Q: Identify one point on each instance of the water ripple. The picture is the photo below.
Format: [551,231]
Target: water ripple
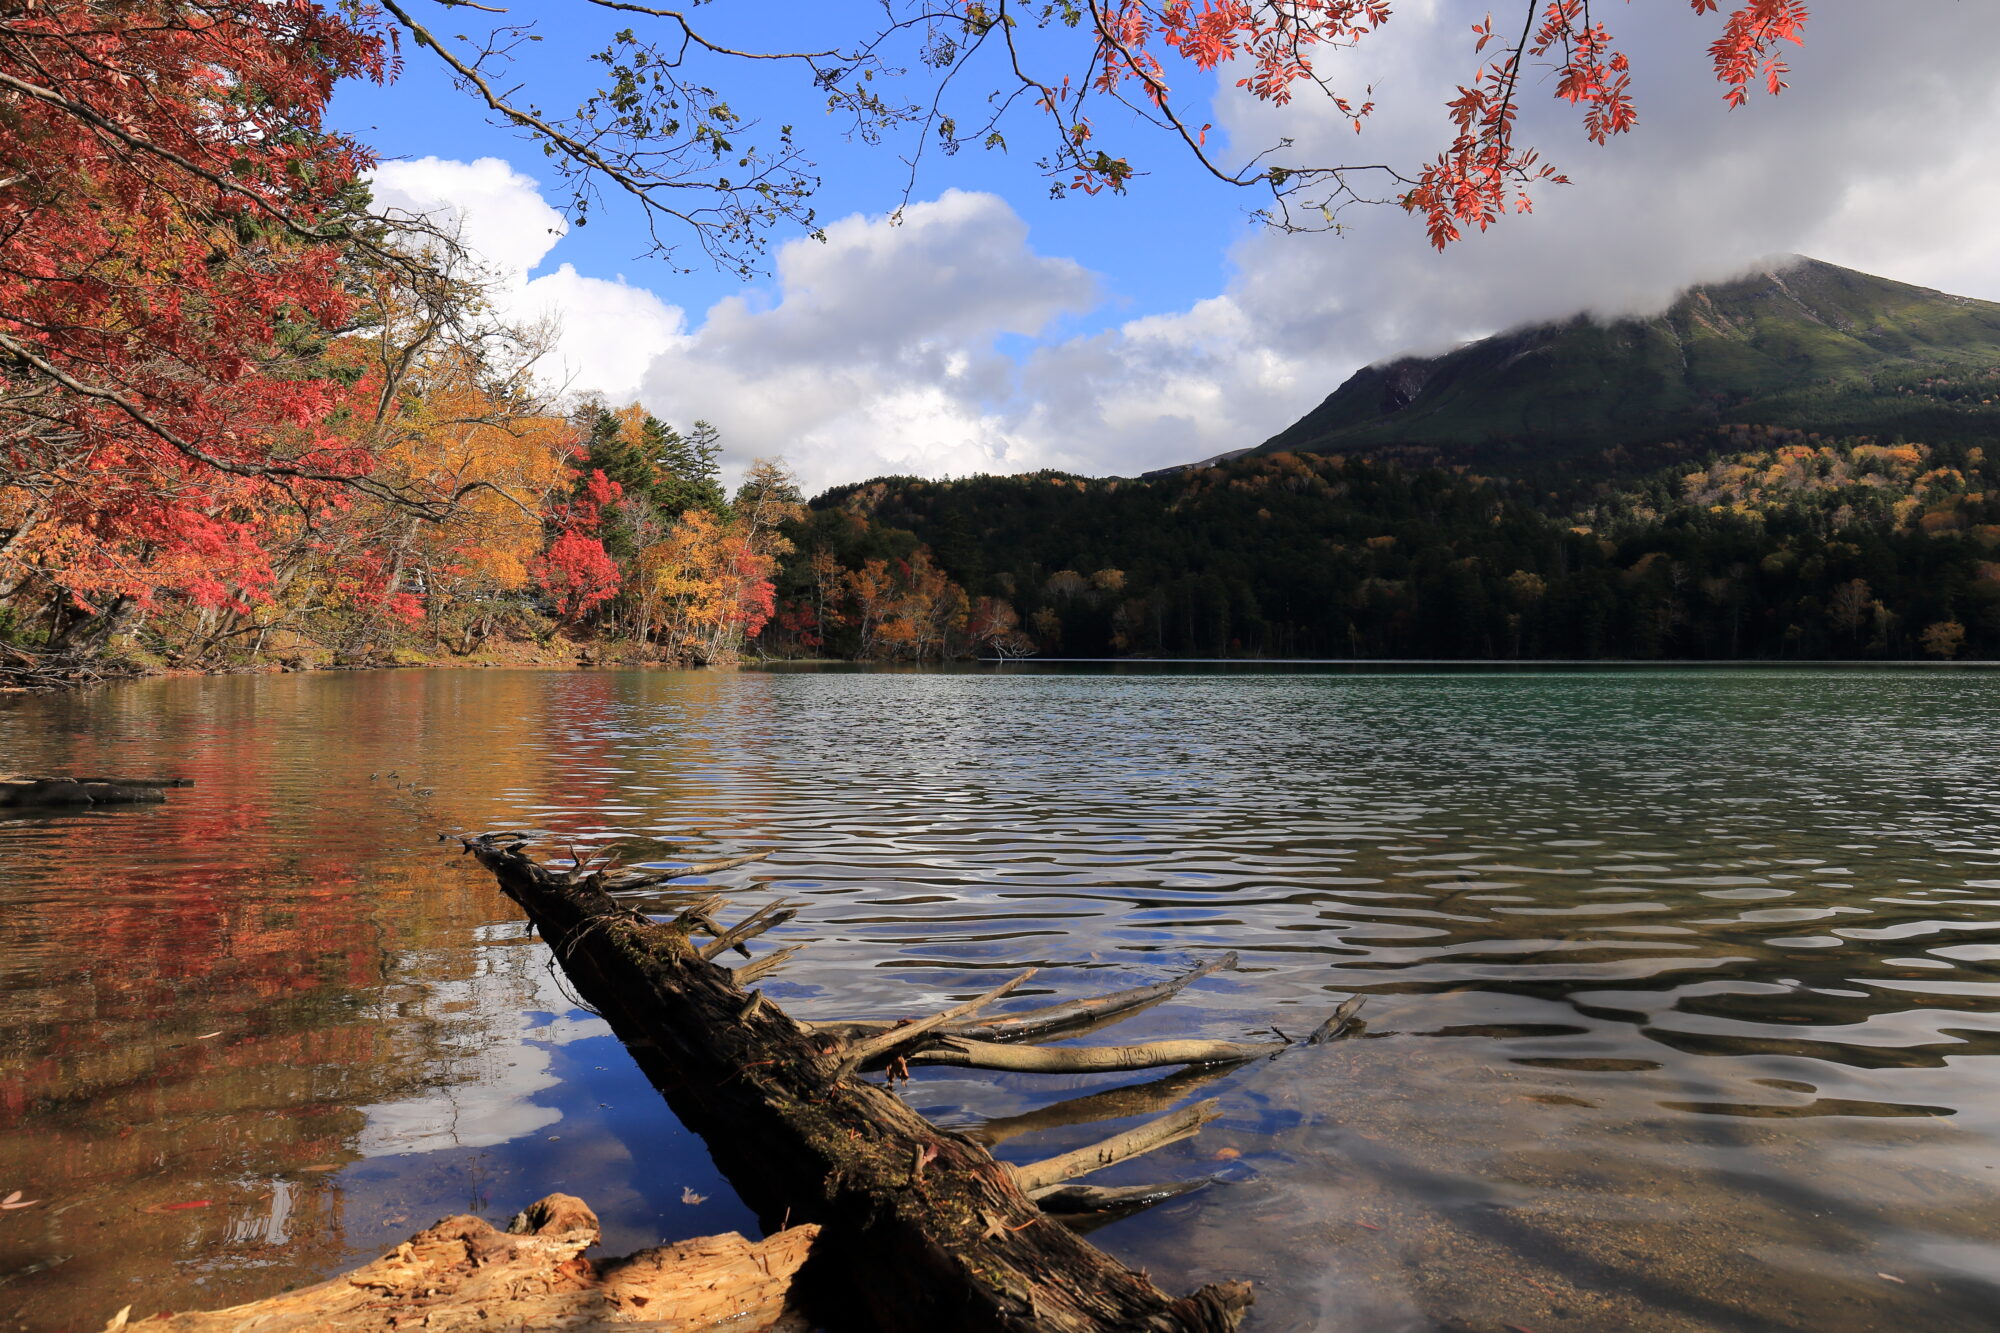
[1683,1010]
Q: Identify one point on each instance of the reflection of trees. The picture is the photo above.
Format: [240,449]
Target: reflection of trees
[304,914]
[277,906]
[114,1098]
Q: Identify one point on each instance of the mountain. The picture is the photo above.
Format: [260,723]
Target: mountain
[1801,344]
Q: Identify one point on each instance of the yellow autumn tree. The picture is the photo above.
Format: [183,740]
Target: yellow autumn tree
[703,589]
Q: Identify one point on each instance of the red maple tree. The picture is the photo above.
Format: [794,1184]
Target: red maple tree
[173,227]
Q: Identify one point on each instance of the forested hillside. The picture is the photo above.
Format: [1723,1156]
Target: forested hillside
[1758,542]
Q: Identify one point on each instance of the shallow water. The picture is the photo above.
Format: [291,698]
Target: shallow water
[1683,985]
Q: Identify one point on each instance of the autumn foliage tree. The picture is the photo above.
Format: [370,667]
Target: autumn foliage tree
[174,228]
[705,588]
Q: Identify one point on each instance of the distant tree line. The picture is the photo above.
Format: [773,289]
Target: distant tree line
[1760,542]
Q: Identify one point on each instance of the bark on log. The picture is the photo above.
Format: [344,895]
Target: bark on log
[926,1228]
[463,1274]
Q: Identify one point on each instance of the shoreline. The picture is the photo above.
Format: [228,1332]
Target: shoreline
[70,677]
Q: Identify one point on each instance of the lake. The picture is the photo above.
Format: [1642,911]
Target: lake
[1683,984]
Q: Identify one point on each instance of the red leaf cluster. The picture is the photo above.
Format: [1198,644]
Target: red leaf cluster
[1485,171]
[172,232]
[577,572]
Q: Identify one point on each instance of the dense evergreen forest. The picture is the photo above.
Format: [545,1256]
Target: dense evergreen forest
[1745,542]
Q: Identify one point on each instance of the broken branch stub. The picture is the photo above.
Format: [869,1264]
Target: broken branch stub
[1170,1128]
[869,1048]
[1338,1022]
[767,917]
[758,968]
[969,1054]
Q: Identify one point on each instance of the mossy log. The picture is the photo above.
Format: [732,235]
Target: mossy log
[21,791]
[923,1229]
[463,1274]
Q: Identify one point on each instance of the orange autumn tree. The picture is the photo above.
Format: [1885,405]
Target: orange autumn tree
[497,447]
[906,610]
[704,588]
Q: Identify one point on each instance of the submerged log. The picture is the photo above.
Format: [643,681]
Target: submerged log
[19,791]
[463,1274]
[923,1228]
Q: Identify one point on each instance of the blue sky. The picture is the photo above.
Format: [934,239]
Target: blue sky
[999,330]
[1159,248]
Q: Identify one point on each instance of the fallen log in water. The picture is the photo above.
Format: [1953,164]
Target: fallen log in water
[463,1274]
[19,791]
[922,1228]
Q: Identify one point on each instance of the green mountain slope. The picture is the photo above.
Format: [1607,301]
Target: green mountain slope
[1802,344]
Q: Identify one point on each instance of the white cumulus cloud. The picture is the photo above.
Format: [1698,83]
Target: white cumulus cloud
[893,346]
[610,331]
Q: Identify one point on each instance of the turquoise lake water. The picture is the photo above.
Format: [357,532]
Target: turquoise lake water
[1684,986]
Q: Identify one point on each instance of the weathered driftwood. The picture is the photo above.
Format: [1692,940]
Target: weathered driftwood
[1092,1202]
[1050,1020]
[923,1228]
[1172,1128]
[463,1274]
[761,967]
[1338,1022]
[20,791]
[867,1049]
[636,878]
[1110,1104]
[764,918]
[966,1053]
